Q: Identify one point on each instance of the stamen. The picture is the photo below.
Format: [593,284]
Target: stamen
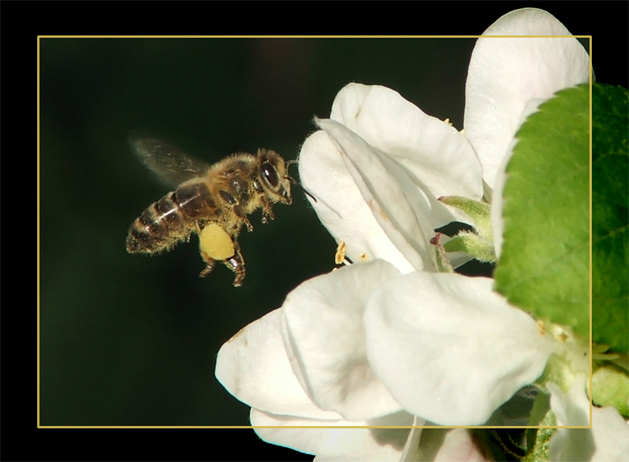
[339,257]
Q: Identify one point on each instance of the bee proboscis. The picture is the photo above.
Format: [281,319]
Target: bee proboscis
[220,195]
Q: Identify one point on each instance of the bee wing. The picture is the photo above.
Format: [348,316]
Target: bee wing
[167,161]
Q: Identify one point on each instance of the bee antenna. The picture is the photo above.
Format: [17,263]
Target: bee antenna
[296,183]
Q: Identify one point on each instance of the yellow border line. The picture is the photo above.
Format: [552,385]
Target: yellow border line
[38,192]
[591,219]
[398,427]
[308,36]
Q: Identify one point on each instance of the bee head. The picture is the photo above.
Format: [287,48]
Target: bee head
[273,176]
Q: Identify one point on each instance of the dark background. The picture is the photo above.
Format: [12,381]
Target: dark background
[132,340]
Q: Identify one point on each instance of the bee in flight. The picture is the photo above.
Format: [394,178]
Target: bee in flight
[212,201]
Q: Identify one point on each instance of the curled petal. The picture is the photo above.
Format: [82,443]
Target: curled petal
[324,337]
[340,205]
[253,367]
[506,73]
[399,161]
[400,209]
[448,348]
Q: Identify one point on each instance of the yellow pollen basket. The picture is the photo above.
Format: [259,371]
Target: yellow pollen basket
[216,243]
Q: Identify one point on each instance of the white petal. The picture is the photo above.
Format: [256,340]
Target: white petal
[400,209]
[437,157]
[505,73]
[448,348]
[253,367]
[337,444]
[324,338]
[340,205]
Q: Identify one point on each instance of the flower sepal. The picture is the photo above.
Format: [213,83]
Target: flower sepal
[472,244]
[477,243]
[478,211]
[570,358]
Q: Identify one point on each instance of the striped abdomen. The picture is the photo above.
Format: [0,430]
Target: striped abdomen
[172,218]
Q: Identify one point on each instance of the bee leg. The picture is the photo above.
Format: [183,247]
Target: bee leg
[247,223]
[236,207]
[210,263]
[267,211]
[241,214]
[237,265]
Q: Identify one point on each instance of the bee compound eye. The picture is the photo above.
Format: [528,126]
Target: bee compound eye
[270,174]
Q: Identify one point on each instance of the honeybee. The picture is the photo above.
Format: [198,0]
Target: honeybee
[212,201]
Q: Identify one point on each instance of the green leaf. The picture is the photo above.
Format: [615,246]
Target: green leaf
[610,170]
[544,265]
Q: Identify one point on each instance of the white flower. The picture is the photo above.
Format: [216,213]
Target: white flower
[389,341]
[377,169]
